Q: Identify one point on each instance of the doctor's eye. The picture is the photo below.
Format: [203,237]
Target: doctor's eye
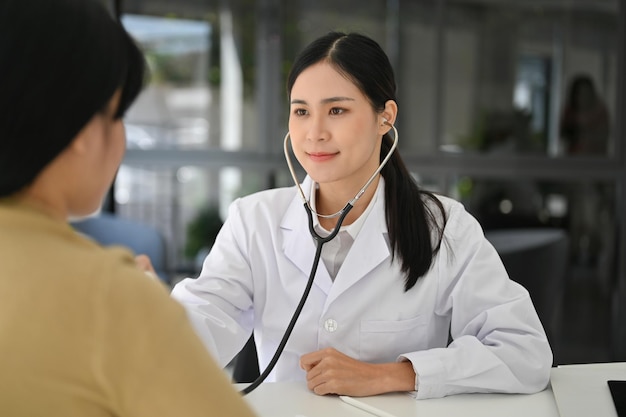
[336,111]
[300,112]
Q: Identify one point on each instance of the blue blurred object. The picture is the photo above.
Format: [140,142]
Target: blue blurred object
[108,229]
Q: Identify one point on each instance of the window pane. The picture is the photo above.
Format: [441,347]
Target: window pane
[174,110]
[200,93]
[510,68]
[185,203]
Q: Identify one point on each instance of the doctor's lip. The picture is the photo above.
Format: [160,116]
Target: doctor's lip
[321,156]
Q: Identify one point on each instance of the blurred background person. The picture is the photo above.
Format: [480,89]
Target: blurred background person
[585,120]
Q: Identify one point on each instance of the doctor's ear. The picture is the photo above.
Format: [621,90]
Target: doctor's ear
[388,114]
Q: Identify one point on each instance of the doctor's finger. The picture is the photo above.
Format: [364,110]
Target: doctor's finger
[307,365]
[314,373]
[143,263]
[318,355]
[309,360]
[316,380]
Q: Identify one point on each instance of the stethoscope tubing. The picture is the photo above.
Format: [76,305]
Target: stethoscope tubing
[318,252]
[320,240]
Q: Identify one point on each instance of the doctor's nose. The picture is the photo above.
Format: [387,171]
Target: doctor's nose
[317,131]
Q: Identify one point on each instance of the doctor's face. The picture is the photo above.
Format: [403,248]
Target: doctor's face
[335,132]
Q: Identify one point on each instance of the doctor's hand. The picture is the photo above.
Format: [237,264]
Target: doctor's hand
[329,371]
[143,263]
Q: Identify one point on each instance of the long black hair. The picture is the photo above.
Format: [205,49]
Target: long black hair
[415,232]
[61,61]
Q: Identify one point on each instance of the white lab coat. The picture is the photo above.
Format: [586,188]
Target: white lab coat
[255,274]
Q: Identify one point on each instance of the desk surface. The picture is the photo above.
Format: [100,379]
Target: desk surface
[578,390]
[293,399]
[582,391]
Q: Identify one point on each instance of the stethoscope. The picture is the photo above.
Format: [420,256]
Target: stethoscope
[320,240]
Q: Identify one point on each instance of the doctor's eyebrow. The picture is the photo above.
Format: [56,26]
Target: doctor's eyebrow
[324,101]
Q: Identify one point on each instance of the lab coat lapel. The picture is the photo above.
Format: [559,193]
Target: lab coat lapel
[299,246]
[368,251]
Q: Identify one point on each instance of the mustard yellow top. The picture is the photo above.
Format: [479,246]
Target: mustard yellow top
[84,333]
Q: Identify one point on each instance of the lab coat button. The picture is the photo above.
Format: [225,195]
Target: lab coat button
[330,325]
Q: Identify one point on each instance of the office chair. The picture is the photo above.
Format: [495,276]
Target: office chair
[246,364]
[108,229]
[537,258]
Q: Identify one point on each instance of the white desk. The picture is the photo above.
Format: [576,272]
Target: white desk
[582,391]
[577,390]
[293,399]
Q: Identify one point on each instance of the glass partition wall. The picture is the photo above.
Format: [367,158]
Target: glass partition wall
[513,108]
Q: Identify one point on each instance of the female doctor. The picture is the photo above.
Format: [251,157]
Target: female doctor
[409,295]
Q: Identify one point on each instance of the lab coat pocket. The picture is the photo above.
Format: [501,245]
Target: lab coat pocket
[384,340]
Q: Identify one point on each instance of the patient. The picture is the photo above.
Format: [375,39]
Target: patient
[83,332]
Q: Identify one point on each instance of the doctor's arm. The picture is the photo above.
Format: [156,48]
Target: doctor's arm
[499,344]
[332,372]
[219,301]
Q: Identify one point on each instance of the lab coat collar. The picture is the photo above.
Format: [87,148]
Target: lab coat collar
[368,251]
[299,246]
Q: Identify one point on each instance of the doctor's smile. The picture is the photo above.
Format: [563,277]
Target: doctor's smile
[321,156]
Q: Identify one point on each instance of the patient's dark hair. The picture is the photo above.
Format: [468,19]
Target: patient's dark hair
[61,61]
